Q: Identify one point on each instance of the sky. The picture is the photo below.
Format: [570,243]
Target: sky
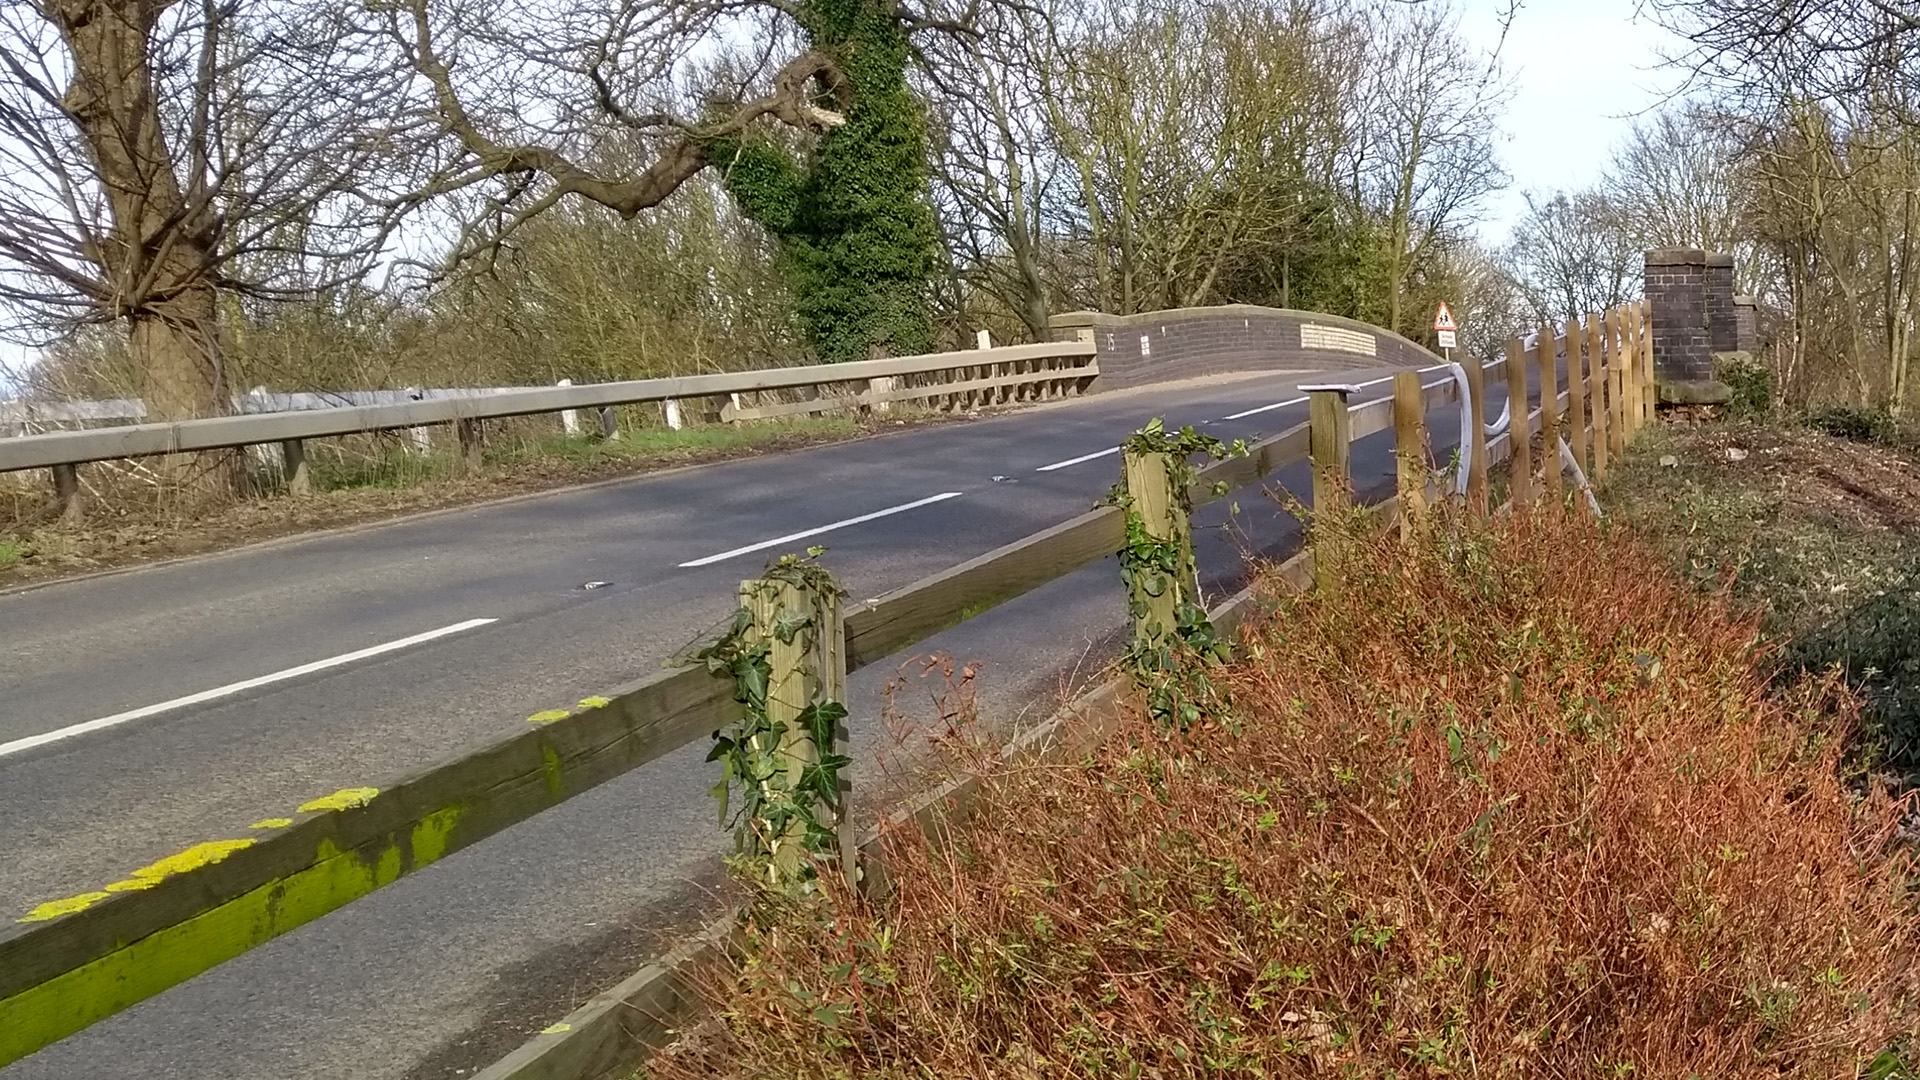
[1581,69]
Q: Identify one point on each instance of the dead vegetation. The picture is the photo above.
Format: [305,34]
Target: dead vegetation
[1516,803]
[1820,533]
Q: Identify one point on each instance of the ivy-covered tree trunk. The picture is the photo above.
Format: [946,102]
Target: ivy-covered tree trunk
[856,232]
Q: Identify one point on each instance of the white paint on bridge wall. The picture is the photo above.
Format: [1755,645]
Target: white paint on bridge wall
[1338,339]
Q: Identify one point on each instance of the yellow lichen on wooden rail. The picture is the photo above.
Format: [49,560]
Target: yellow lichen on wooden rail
[146,877]
[344,799]
[62,1005]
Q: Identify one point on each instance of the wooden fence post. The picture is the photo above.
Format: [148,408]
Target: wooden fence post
[802,630]
[293,467]
[1476,406]
[1544,362]
[1576,394]
[1410,451]
[1647,392]
[1519,427]
[1597,364]
[1329,442]
[1155,604]
[1630,370]
[1616,386]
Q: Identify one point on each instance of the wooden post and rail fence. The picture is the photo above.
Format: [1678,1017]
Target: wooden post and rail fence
[77,960]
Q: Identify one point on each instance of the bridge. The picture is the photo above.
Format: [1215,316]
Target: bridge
[262,692]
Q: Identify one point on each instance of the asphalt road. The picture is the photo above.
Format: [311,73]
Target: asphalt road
[443,634]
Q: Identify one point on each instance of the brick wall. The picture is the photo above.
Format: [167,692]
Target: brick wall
[1161,346]
[1676,283]
[1746,322]
[1723,328]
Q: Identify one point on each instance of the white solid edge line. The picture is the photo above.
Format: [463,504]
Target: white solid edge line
[790,537]
[31,741]
[1265,408]
[1078,460]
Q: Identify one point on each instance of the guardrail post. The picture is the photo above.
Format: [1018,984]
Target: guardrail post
[1410,451]
[1329,442]
[293,466]
[1476,406]
[569,418]
[797,619]
[66,493]
[1519,427]
[610,423]
[1597,392]
[1544,357]
[468,431]
[670,408]
[1154,599]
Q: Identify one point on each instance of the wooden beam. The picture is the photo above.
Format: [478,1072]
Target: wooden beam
[112,948]
[899,619]
[1477,410]
[1414,467]
[1597,361]
[1577,394]
[1332,442]
[1545,364]
[1520,476]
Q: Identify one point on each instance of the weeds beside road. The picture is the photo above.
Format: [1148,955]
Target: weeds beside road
[1520,802]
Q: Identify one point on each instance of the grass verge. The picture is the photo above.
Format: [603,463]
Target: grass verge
[1519,803]
[1821,533]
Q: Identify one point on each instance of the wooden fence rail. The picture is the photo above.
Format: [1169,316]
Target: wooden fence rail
[78,960]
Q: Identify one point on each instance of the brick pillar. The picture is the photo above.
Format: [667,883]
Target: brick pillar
[1723,331]
[1677,290]
[1746,323]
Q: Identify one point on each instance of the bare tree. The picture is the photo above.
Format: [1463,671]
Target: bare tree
[1426,135]
[1569,257]
[157,153]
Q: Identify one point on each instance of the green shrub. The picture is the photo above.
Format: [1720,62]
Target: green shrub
[1876,645]
[1752,385]
[1853,422]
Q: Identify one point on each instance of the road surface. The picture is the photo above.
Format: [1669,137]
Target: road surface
[146,711]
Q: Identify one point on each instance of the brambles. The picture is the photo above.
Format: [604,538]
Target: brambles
[1513,803]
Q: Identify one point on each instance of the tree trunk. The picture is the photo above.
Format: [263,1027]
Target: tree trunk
[176,349]
[158,257]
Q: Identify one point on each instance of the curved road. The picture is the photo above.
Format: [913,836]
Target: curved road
[146,711]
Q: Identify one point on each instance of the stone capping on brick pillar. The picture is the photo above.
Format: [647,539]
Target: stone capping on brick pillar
[1676,283]
[1180,343]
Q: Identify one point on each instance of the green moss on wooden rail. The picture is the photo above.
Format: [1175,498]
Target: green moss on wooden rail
[70,1001]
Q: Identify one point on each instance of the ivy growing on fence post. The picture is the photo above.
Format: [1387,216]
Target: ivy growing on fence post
[783,652]
[1173,641]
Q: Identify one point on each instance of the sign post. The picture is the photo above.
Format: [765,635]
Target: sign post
[1445,329]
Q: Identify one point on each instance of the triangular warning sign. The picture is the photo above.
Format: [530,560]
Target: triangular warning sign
[1443,319]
